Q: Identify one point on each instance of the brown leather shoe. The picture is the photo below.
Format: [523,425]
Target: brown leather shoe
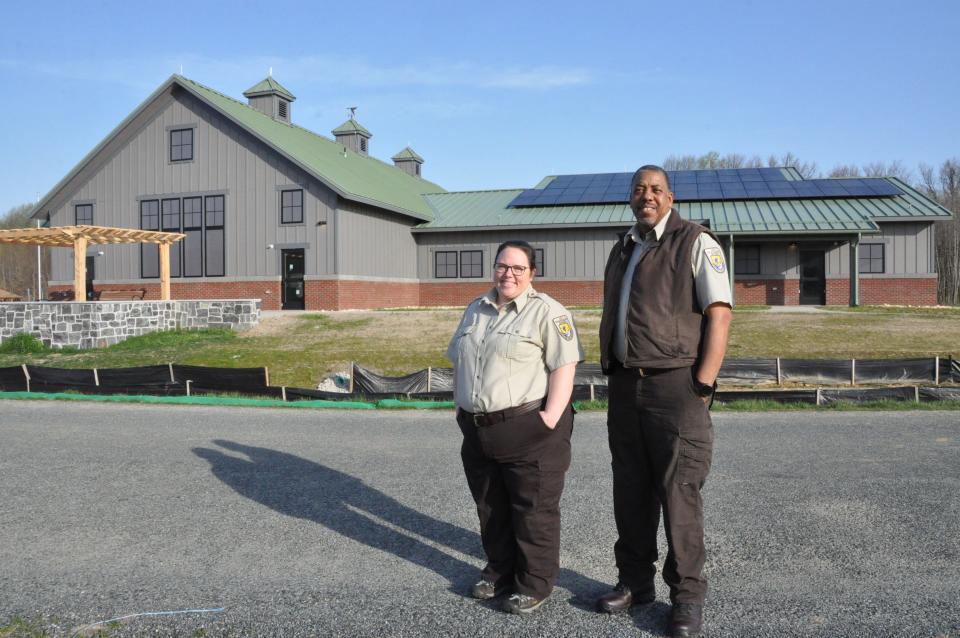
[686,620]
[623,598]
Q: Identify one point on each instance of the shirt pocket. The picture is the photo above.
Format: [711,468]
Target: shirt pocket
[519,344]
[464,337]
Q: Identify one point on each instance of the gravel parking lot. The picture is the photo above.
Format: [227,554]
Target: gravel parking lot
[356,523]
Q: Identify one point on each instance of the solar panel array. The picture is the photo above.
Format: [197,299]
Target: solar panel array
[701,185]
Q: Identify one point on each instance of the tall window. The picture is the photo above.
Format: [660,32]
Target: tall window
[291,207]
[746,260]
[181,145]
[193,242]
[471,263]
[214,252]
[445,264]
[538,257]
[871,258]
[170,223]
[83,214]
[149,253]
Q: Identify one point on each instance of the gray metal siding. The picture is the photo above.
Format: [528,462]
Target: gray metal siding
[374,243]
[569,254]
[226,160]
[908,250]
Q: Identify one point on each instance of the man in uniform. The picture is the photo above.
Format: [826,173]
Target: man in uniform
[663,334]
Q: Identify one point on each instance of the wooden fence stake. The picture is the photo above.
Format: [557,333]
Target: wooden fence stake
[593,397]
[283,391]
[266,376]
[936,370]
[353,365]
[818,396]
[96,378]
[916,394]
[779,378]
[170,367]
[853,372]
[188,386]
[26,375]
[429,372]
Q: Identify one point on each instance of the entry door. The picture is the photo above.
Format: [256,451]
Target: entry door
[292,279]
[813,280]
[91,275]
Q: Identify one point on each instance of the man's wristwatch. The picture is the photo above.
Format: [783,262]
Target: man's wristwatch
[704,389]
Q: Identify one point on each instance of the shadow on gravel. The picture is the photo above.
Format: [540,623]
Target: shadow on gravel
[305,489]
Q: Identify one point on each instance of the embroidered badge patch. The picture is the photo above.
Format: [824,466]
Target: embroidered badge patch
[564,327]
[715,257]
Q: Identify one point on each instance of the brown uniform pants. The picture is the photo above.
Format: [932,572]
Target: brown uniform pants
[661,441]
[515,470]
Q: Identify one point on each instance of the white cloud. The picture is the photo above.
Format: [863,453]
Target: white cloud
[327,70]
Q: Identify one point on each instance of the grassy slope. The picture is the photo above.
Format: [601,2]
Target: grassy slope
[302,350]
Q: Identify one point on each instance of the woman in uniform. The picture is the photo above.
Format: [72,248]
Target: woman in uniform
[514,355]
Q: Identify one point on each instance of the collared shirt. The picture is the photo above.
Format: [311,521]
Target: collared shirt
[707,263]
[503,358]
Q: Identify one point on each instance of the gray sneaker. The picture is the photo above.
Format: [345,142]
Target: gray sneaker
[485,590]
[522,604]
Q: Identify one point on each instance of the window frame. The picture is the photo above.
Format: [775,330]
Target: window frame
[539,256]
[872,259]
[740,259]
[76,214]
[472,266]
[192,145]
[222,226]
[284,207]
[186,230]
[146,247]
[436,264]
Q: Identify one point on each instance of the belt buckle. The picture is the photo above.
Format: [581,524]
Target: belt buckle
[640,372]
[476,422]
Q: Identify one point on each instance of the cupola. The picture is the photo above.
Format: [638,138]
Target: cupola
[352,135]
[408,161]
[269,97]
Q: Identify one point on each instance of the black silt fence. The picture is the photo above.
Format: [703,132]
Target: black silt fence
[239,380]
[12,379]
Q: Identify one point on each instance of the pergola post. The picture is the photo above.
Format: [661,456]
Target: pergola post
[855,271]
[80,268]
[165,272]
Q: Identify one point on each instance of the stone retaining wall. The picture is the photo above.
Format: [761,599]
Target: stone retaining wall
[97,324]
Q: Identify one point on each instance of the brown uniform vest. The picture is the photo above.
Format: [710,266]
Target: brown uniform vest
[665,322]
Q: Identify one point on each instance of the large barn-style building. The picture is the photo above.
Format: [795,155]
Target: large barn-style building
[274,211]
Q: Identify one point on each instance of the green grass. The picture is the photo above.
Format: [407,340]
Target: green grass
[301,350]
[952,312]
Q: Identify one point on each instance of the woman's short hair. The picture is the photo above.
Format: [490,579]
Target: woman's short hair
[520,245]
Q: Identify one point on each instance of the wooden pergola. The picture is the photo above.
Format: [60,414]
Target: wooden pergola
[79,237]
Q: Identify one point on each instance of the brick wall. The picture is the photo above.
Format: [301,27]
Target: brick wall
[333,294]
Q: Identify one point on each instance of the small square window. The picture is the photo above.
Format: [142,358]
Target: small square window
[871,258]
[83,214]
[445,264]
[291,207]
[181,145]
[471,263]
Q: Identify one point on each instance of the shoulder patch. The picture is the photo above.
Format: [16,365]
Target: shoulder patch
[564,327]
[715,257]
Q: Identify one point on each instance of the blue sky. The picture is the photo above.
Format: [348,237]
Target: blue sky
[499,94]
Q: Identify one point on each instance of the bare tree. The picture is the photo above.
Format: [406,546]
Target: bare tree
[893,169]
[713,160]
[943,185]
[18,264]
[844,170]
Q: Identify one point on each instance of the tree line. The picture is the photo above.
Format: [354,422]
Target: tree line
[940,183]
[18,264]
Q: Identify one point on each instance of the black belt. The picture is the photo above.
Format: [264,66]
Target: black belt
[485,419]
[642,372]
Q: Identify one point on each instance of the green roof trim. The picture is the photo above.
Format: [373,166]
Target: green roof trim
[267,86]
[407,154]
[352,126]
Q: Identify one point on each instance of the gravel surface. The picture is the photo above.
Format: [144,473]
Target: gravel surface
[356,523]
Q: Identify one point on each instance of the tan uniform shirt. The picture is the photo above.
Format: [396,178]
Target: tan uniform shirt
[503,358]
[711,280]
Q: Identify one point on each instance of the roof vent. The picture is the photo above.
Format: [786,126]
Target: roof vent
[408,161]
[270,98]
[352,134]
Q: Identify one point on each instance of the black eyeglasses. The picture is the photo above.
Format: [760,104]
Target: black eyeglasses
[516,270]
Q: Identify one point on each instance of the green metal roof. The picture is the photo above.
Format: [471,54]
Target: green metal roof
[350,174]
[488,209]
[407,154]
[351,126]
[267,86]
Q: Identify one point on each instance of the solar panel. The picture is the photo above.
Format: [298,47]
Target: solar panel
[699,185]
